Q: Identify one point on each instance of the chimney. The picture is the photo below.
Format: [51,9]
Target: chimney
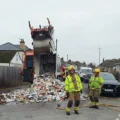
[22,44]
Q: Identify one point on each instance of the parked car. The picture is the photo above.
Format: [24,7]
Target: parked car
[111,85]
[85,74]
[76,72]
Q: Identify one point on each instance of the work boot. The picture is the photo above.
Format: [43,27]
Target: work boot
[92,106]
[76,112]
[97,107]
[67,113]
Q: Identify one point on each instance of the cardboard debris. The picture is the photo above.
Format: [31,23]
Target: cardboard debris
[43,89]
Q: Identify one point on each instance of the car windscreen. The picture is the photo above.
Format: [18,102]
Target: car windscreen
[107,76]
[86,71]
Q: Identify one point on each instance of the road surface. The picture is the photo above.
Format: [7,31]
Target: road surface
[48,111]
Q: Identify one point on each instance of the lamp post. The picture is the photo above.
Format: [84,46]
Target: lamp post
[99,55]
[67,57]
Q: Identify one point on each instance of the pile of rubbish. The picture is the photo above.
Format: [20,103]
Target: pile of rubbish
[43,89]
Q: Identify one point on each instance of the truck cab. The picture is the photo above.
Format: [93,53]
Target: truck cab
[28,66]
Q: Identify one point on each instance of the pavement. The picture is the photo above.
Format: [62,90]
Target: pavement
[48,111]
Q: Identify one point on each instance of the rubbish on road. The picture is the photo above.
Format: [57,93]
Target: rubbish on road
[83,97]
[2,99]
[43,89]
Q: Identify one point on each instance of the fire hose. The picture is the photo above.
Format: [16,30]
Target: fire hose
[110,106]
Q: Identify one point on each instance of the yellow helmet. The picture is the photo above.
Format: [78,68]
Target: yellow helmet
[97,70]
[71,67]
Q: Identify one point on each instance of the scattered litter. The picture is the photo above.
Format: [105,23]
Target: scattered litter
[45,88]
[83,97]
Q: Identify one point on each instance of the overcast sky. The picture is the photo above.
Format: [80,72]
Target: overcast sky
[81,26]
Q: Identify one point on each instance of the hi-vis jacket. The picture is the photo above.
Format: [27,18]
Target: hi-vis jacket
[73,84]
[95,82]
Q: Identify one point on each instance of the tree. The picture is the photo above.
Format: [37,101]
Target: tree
[62,59]
[92,65]
[103,60]
[103,63]
[78,64]
[69,61]
[84,64]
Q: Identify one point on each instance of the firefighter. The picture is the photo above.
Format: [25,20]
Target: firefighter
[95,85]
[63,73]
[73,86]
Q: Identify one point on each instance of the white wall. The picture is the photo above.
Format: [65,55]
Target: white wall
[117,67]
[18,59]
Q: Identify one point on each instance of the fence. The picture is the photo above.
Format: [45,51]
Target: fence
[9,76]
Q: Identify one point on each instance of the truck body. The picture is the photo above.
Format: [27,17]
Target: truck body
[42,59]
[47,64]
[43,42]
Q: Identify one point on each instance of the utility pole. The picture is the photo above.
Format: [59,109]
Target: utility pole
[99,55]
[67,57]
[56,58]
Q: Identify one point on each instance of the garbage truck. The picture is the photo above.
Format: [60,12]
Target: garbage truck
[42,59]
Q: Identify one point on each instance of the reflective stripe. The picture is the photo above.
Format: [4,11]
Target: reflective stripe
[67,109]
[97,104]
[92,103]
[76,108]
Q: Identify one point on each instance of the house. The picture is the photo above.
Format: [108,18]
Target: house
[12,55]
[58,63]
[116,67]
[113,67]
